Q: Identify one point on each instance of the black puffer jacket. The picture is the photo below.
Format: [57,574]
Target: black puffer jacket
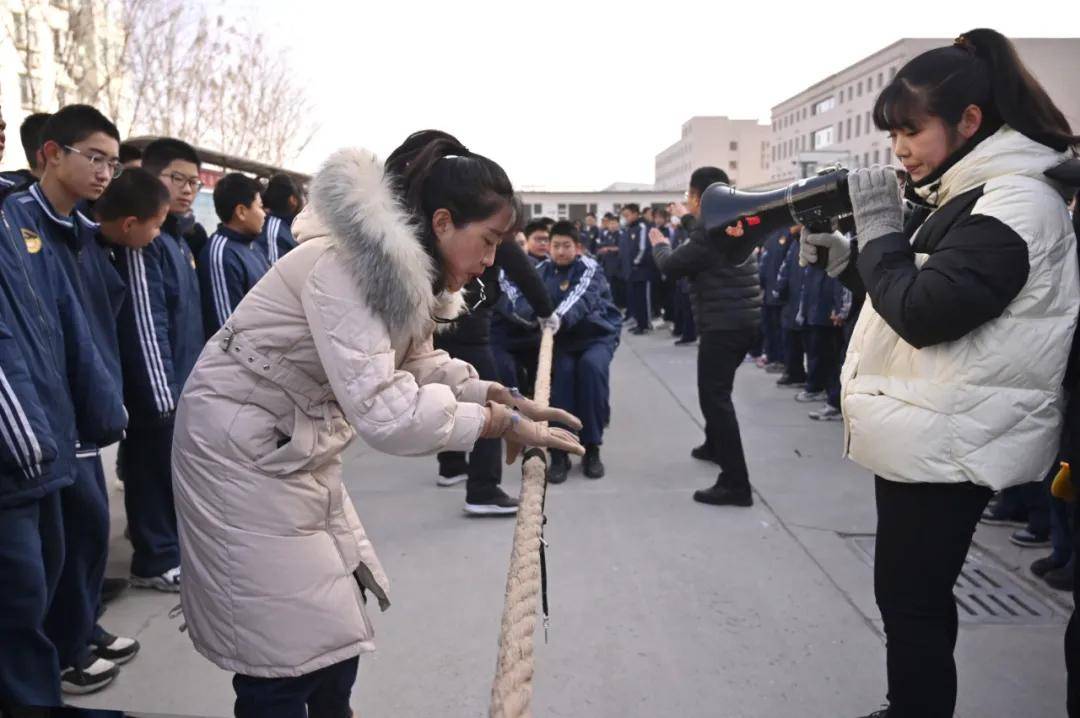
[724,296]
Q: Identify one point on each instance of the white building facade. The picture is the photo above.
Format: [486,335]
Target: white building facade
[575,205]
[831,121]
[739,147]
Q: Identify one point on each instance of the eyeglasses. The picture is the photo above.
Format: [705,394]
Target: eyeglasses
[98,161]
[179,180]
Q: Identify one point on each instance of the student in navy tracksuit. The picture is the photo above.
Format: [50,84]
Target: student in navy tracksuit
[30,138]
[80,148]
[772,256]
[587,332]
[37,460]
[590,234]
[788,289]
[608,254]
[640,269]
[161,336]
[823,307]
[282,201]
[232,263]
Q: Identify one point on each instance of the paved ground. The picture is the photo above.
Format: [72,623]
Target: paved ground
[660,606]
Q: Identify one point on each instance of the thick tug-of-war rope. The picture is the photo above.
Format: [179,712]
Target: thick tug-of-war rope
[511,693]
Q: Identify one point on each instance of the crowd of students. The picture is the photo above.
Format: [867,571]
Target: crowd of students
[109,289]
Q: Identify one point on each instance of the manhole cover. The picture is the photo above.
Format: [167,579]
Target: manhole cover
[985,594]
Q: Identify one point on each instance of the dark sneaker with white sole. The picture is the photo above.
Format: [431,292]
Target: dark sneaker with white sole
[827,413]
[117,649]
[92,676]
[168,582]
[495,502]
[591,464]
[451,480]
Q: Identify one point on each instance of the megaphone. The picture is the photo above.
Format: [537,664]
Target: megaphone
[820,203]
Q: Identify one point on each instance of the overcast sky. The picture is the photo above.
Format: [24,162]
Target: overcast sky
[569,94]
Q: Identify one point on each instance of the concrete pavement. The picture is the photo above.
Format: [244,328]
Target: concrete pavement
[660,606]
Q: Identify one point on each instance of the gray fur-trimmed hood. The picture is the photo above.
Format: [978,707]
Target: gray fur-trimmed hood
[352,196]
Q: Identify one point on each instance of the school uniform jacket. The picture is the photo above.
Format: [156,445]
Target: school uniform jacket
[230,265]
[276,239]
[160,327]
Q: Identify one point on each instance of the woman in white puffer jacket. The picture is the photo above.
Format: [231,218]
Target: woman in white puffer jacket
[335,341]
[952,386]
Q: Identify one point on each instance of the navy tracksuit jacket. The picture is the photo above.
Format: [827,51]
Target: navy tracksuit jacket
[161,336]
[276,239]
[231,264]
[585,344]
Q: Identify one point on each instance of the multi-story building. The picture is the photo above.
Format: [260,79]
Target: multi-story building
[739,147]
[55,52]
[831,120]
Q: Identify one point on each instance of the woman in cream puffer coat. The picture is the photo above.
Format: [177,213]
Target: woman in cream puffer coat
[335,341]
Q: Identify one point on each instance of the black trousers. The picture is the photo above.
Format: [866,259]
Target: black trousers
[720,354]
[320,694]
[484,462]
[146,464]
[923,535]
[824,361]
[1072,633]
[794,354]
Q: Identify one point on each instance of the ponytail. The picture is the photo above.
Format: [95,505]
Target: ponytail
[981,68]
[432,170]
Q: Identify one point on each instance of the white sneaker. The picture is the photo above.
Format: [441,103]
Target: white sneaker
[810,397]
[451,480]
[827,413]
[168,581]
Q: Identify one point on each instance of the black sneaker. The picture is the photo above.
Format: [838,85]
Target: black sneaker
[702,453]
[684,342]
[92,676]
[558,466]
[494,502]
[1060,579]
[593,467]
[1027,539]
[117,649]
[720,495]
[788,380]
[1041,567]
[113,587]
[883,713]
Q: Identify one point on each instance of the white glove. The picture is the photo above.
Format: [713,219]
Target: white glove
[876,202]
[553,323]
[839,247]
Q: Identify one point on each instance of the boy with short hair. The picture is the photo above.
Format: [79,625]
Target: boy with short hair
[282,201]
[588,326]
[161,333]
[30,137]
[537,240]
[79,147]
[232,261]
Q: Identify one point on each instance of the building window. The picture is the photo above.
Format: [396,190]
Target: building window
[858,125]
[733,165]
[26,89]
[733,146]
[538,209]
[866,159]
[858,89]
[877,157]
[561,213]
[880,80]
[841,97]
[822,138]
[868,125]
[892,72]
[839,131]
[850,90]
[847,131]
[824,105]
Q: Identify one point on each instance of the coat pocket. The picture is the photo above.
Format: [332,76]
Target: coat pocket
[304,443]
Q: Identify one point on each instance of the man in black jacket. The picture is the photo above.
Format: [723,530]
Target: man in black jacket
[727,309]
